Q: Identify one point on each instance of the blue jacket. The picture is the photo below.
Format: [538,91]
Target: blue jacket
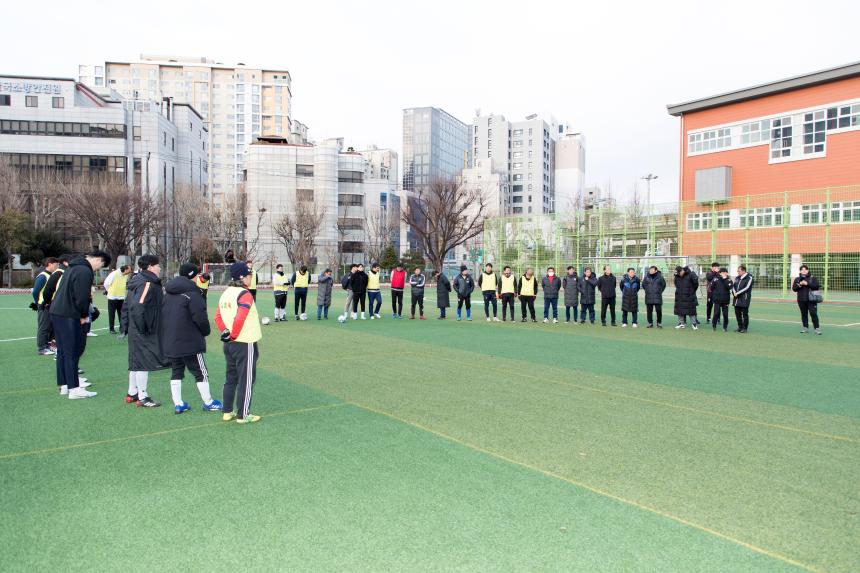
[629,287]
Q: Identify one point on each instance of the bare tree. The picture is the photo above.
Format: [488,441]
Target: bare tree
[444,215]
[298,231]
[41,187]
[378,229]
[10,186]
[224,224]
[180,221]
[110,212]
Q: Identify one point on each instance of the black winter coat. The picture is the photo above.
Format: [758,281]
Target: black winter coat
[630,294]
[443,292]
[464,285]
[358,282]
[709,282]
[141,321]
[570,283]
[720,289]
[654,285]
[184,322]
[742,290]
[803,290]
[587,289]
[72,298]
[606,285]
[685,293]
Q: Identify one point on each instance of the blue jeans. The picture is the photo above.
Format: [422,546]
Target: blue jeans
[567,312]
[374,296]
[322,311]
[590,309]
[550,302]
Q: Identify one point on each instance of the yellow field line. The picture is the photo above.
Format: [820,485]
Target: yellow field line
[670,405]
[15,455]
[590,488]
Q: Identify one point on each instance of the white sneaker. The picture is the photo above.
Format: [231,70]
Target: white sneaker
[623,325]
[546,321]
[83,383]
[64,390]
[354,316]
[377,316]
[555,321]
[372,317]
[635,325]
[91,334]
[363,317]
[695,326]
[80,393]
[495,319]
[489,319]
[681,326]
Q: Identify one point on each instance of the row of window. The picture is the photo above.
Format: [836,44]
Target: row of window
[64,128]
[76,163]
[780,133]
[350,176]
[812,214]
[57,102]
[350,200]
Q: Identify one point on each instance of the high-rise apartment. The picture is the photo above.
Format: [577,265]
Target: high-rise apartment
[239,102]
[435,147]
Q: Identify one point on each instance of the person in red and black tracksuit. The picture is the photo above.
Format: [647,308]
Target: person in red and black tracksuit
[398,283]
[70,311]
[239,324]
[709,281]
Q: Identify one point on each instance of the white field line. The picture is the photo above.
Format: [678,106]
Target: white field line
[34,338]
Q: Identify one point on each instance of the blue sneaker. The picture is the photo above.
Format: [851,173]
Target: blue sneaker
[214,406]
[183,407]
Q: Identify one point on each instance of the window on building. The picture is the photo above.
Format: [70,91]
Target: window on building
[135,131]
[350,200]
[762,217]
[755,132]
[517,210]
[5,100]
[698,221]
[304,194]
[172,144]
[58,102]
[31,101]
[518,177]
[814,125]
[350,176]
[164,139]
[304,170]
[518,199]
[517,154]
[780,138]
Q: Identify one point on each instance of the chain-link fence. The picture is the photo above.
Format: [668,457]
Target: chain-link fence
[772,234]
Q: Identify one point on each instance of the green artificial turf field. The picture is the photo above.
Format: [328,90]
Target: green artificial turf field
[444,446]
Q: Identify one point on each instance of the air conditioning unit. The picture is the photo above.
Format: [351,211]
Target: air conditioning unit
[714,185]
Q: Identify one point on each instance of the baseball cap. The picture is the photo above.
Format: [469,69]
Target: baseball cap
[238,270]
[188,270]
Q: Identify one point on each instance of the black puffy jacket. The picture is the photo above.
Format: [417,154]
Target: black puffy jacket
[803,290]
[630,293]
[358,282]
[654,285]
[141,321]
[184,322]
[685,293]
[720,289]
[72,297]
[587,288]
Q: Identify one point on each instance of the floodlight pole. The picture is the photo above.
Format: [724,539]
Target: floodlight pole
[649,178]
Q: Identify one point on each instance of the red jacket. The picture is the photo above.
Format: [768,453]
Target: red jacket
[398,279]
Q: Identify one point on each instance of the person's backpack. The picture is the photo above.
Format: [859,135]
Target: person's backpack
[344,282]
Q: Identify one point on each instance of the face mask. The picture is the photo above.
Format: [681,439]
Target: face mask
[552,274]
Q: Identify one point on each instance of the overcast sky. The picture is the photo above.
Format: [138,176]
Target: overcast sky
[609,68]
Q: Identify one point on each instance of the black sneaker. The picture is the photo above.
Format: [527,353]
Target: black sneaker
[147,403]
[650,325]
[534,320]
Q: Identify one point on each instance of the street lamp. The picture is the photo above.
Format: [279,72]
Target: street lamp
[649,178]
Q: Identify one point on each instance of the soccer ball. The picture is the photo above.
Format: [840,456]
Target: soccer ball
[303,316]
[341,319]
[265,320]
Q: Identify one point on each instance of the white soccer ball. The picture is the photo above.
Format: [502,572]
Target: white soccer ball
[341,318]
[303,316]
[265,320]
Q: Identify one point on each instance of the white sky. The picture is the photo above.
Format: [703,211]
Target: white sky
[608,67]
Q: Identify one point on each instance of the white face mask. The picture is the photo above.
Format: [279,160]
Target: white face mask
[552,274]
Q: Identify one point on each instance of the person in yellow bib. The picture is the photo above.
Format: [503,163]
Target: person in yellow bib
[300,282]
[116,285]
[374,295]
[279,286]
[508,292]
[252,285]
[202,282]
[488,283]
[239,324]
[528,292]
[43,318]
